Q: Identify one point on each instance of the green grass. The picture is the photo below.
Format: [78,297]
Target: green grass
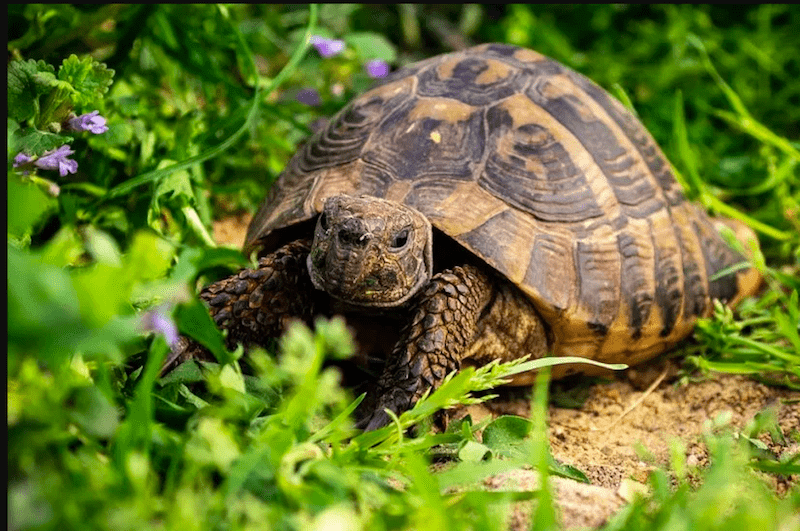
[202,115]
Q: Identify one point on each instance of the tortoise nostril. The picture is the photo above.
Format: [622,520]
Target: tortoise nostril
[354,232]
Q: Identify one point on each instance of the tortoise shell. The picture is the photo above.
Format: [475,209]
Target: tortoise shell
[542,175]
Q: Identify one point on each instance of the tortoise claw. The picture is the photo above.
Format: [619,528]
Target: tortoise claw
[397,400]
[183,350]
[378,419]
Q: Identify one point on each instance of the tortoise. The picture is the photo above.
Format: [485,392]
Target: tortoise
[488,204]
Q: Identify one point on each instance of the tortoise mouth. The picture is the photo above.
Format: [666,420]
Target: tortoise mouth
[381,289]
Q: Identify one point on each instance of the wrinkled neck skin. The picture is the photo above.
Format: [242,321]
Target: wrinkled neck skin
[370,252]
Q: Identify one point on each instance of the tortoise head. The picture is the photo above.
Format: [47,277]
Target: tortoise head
[370,252]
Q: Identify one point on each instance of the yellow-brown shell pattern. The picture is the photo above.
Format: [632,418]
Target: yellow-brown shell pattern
[540,173]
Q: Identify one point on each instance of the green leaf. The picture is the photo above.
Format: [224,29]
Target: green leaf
[372,46]
[27,80]
[41,299]
[148,256]
[64,249]
[185,373]
[194,321]
[93,412]
[567,471]
[474,452]
[34,142]
[175,187]
[337,341]
[232,379]
[506,435]
[50,316]
[88,78]
[103,248]
[540,363]
[135,431]
[544,515]
[192,261]
[27,205]
[470,472]
[212,443]
[105,288]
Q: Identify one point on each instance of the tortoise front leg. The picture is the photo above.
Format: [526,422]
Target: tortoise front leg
[256,305]
[444,323]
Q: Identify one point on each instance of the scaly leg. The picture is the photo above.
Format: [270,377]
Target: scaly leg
[445,322]
[256,305]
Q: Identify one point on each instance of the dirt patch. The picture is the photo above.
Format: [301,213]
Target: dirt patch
[231,231]
[601,437]
[594,439]
[580,506]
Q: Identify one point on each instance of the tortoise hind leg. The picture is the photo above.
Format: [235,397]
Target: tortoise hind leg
[256,305]
[511,328]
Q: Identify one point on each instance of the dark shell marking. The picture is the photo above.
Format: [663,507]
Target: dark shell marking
[540,173]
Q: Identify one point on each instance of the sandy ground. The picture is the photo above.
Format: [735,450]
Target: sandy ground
[231,230]
[646,406]
[601,437]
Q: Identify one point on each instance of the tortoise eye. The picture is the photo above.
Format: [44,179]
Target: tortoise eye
[400,239]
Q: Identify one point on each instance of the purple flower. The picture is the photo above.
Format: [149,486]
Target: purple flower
[158,321]
[327,47]
[309,97]
[23,161]
[22,158]
[92,122]
[377,68]
[57,160]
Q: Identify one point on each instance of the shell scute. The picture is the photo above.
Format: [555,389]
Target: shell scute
[531,169]
[474,80]
[426,147]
